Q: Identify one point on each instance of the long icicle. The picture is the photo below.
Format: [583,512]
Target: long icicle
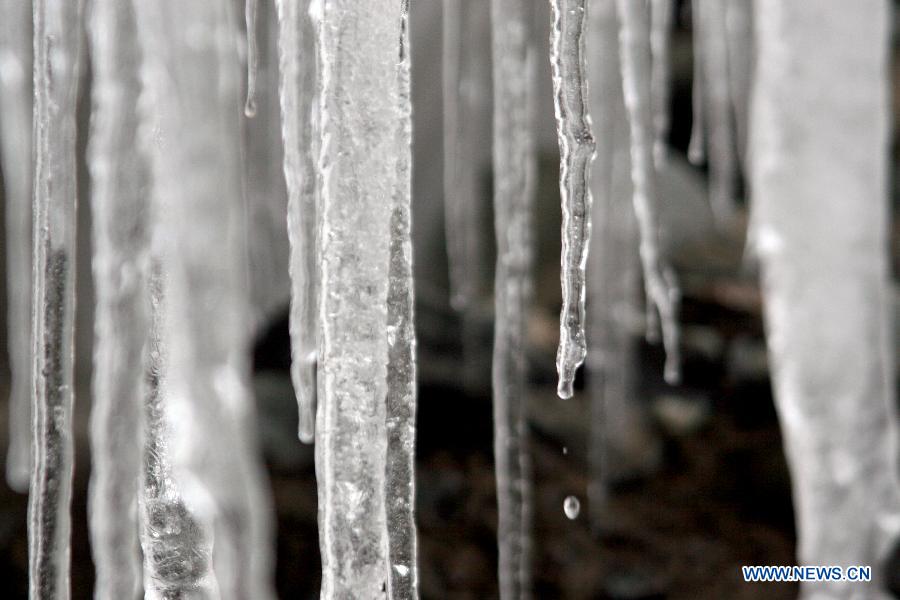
[121,243]
[191,64]
[57,28]
[659,279]
[576,149]
[403,582]
[661,16]
[296,51]
[514,169]
[16,48]
[358,51]
[820,181]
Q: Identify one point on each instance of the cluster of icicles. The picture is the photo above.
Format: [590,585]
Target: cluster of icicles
[178,499]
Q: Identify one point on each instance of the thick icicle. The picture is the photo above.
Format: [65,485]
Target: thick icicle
[191,76]
[251,7]
[119,207]
[57,37]
[466,80]
[16,48]
[514,168]
[659,279]
[721,146]
[401,369]
[821,212]
[661,15]
[296,52]
[359,45]
[576,149]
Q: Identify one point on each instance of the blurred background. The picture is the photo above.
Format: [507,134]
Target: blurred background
[700,488]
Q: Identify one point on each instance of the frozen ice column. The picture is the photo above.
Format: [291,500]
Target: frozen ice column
[359,51]
[820,133]
[190,58]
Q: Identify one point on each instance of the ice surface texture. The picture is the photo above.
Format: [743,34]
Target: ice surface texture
[820,202]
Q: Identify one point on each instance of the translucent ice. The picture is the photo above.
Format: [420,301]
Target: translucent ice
[57,33]
[16,47]
[192,80]
[820,199]
[576,149]
[119,207]
[514,167]
[297,62]
[359,47]
[659,279]
[401,368]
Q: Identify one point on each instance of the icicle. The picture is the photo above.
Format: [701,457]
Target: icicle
[739,36]
[296,50]
[661,14]
[820,201]
[16,48]
[191,77]
[466,80]
[119,224]
[401,369]
[514,167]
[697,145]
[265,189]
[721,143]
[576,148]
[659,280]
[250,10]
[176,547]
[358,165]
[56,68]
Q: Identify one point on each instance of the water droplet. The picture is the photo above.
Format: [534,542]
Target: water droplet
[572,506]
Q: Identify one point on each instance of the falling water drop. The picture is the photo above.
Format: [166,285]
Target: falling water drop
[572,507]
